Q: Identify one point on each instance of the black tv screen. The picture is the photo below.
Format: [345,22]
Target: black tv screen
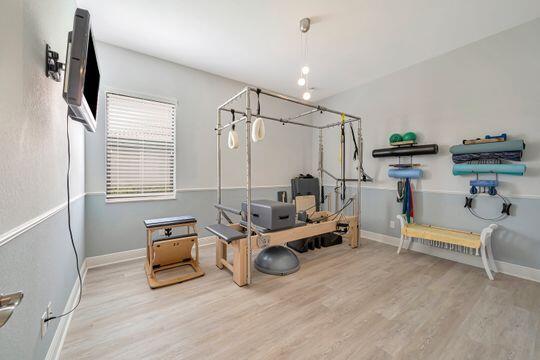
[81,82]
[91,78]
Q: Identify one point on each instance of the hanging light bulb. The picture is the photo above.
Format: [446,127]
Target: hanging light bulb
[306,96]
[305,69]
[301,81]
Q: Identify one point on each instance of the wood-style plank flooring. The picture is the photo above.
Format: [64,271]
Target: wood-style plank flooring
[366,303]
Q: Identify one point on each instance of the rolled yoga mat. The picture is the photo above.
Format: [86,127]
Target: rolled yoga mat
[405,173]
[504,155]
[508,169]
[406,150]
[511,145]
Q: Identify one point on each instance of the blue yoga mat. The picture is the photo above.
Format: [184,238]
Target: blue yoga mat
[511,145]
[508,169]
[413,173]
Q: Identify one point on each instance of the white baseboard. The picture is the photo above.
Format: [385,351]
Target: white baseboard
[503,267]
[61,331]
[123,256]
[115,258]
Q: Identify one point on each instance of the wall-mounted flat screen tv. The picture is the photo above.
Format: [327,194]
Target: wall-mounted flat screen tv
[81,80]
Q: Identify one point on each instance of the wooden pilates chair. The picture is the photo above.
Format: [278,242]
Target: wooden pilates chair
[165,255]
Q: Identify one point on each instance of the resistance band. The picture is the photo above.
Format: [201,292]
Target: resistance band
[408,203]
[355,155]
[232,141]
[342,156]
[258,131]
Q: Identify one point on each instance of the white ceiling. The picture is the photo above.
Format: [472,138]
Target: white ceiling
[258,41]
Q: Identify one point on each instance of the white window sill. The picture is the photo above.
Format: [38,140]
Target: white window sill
[140,198]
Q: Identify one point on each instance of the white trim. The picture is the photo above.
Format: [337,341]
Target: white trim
[231,188]
[61,331]
[95,193]
[120,200]
[123,256]
[436,191]
[115,258]
[19,230]
[519,271]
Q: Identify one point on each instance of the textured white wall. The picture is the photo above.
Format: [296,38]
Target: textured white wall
[488,87]
[32,113]
[285,152]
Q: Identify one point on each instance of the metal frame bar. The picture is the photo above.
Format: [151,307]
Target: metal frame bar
[315,108]
[248,185]
[301,102]
[247,115]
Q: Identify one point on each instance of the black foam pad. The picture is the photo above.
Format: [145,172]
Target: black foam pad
[225,232]
[176,220]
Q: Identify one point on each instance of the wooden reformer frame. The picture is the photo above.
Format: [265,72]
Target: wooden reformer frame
[239,265]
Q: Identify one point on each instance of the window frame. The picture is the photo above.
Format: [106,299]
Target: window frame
[147,97]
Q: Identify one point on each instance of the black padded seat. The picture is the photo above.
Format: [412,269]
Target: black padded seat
[224,232]
[183,236]
[176,220]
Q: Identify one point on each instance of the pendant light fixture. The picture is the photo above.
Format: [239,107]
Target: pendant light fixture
[305,25]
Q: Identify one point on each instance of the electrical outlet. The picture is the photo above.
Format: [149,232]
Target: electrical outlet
[49,310]
[392,224]
[45,324]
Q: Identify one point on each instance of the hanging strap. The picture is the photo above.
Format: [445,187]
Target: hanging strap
[233,125]
[354,141]
[258,101]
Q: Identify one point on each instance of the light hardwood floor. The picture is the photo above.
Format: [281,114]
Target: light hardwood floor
[367,303]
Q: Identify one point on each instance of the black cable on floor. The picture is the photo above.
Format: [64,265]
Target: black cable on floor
[69,227]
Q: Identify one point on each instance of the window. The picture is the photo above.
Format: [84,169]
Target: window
[140,148]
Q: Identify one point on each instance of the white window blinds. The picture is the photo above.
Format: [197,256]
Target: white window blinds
[140,148]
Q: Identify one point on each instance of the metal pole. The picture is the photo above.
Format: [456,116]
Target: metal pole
[343,187]
[218,149]
[359,183]
[336,194]
[303,114]
[248,184]
[232,123]
[321,173]
[283,121]
[335,178]
[301,102]
[338,123]
[234,97]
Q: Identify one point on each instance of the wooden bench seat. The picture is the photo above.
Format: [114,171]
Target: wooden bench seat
[449,236]
[481,242]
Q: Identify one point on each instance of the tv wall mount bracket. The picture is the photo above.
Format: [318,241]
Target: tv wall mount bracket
[53,67]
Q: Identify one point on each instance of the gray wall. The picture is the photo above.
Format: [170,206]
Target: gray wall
[39,261]
[516,241]
[487,87]
[119,227]
[284,153]
[198,95]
